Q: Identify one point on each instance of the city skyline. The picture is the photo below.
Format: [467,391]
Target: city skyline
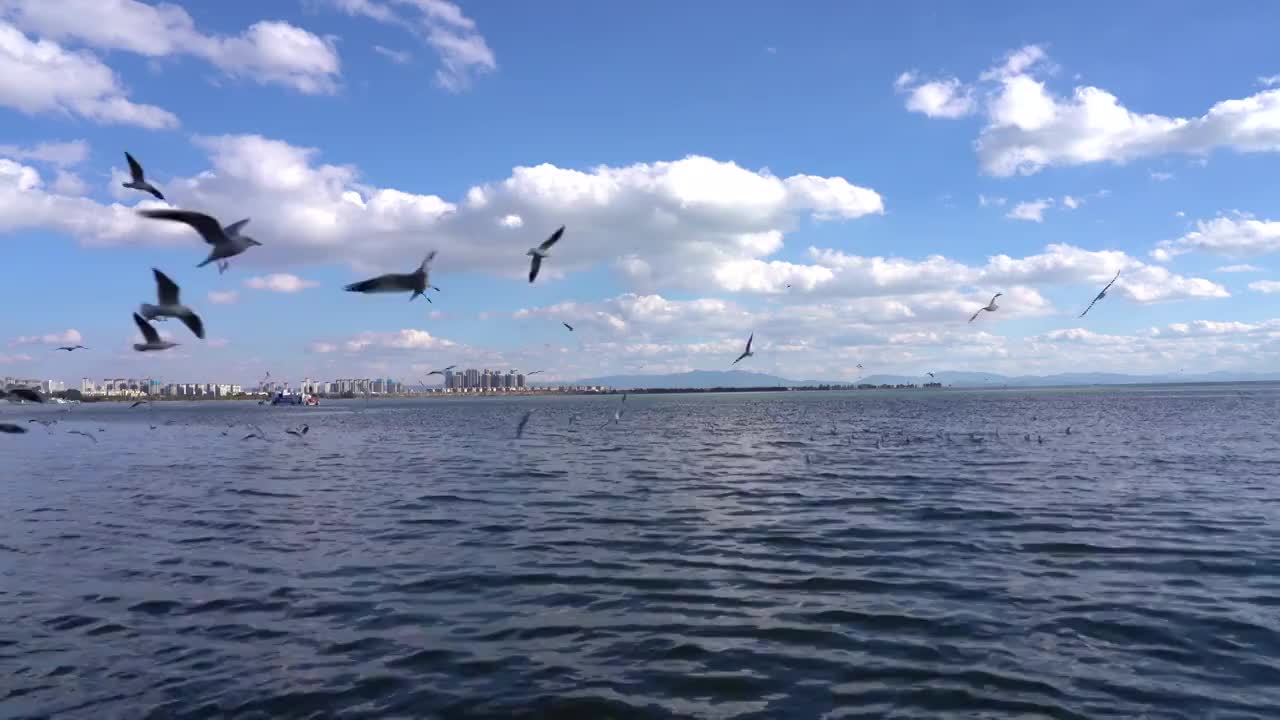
[904,174]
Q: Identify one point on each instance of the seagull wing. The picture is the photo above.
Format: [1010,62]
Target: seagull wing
[1113,282]
[206,225]
[993,299]
[534,266]
[152,189]
[194,323]
[148,332]
[735,362]
[166,289]
[235,227]
[391,282]
[1086,310]
[976,314]
[135,170]
[753,337]
[555,237]
[430,256]
[568,326]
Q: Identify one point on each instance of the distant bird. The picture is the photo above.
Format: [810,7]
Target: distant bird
[1101,294]
[859,366]
[72,348]
[929,374]
[169,305]
[568,326]
[300,431]
[442,371]
[523,421]
[542,251]
[1068,429]
[137,403]
[617,414]
[136,179]
[257,433]
[415,282]
[22,393]
[152,337]
[535,372]
[745,353]
[227,241]
[83,434]
[991,307]
[11,429]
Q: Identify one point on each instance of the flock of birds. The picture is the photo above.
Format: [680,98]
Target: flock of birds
[229,241]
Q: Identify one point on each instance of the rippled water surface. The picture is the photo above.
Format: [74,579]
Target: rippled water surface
[873,554]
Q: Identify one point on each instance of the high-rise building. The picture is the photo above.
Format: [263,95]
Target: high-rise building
[520,380]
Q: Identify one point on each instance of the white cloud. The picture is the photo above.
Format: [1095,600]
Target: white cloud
[67,337]
[1032,210]
[1161,176]
[408,339]
[399,57]
[1179,213]
[1239,268]
[511,221]
[1207,328]
[1268,80]
[1268,287]
[68,183]
[279,282]
[991,201]
[58,154]
[462,50]
[1230,237]
[322,347]
[1071,203]
[947,98]
[223,298]
[1029,127]
[42,77]
[267,52]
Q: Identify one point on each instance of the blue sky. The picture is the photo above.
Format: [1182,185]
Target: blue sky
[850,182]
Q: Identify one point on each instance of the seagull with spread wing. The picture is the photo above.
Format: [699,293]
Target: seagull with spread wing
[415,282]
[990,307]
[542,251]
[137,181]
[151,335]
[227,241]
[169,304]
[745,353]
[1101,294]
[72,348]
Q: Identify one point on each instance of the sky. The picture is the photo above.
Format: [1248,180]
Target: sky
[848,181]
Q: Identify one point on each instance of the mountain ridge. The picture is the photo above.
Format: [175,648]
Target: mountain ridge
[702,379]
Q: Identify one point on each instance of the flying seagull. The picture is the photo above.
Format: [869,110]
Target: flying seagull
[137,403]
[136,179]
[746,353]
[991,307]
[568,326]
[523,421]
[82,433]
[542,251]
[257,433]
[72,348]
[1101,294]
[535,372]
[415,282]
[929,374]
[227,241]
[617,414]
[152,337]
[11,429]
[169,305]
[442,370]
[300,431]
[22,393]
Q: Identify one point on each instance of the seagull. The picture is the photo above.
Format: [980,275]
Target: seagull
[745,353]
[226,241]
[929,374]
[170,305]
[542,251]
[535,372]
[442,370]
[523,421]
[137,403]
[257,433]
[859,366]
[415,282]
[299,432]
[72,348]
[12,429]
[991,307]
[617,414]
[568,326]
[82,433]
[22,393]
[1102,294]
[152,337]
[136,179]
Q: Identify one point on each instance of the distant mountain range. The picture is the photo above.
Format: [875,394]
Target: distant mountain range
[742,378]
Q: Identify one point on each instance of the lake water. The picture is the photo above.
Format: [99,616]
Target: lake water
[867,554]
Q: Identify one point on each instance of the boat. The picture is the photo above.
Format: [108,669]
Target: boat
[288,398]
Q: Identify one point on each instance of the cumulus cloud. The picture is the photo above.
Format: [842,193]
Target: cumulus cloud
[442,26]
[1032,210]
[948,98]
[1239,268]
[991,201]
[223,298]
[67,337]
[57,154]
[270,51]
[279,282]
[1230,237]
[1268,287]
[40,76]
[1030,127]
[408,339]
[399,57]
